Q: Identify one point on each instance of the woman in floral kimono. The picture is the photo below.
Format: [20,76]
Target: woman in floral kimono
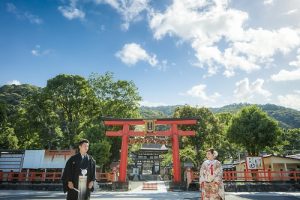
[211,173]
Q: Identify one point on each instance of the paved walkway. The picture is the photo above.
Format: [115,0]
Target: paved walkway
[147,195]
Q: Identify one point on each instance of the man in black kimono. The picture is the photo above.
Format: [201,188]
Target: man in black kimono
[79,174]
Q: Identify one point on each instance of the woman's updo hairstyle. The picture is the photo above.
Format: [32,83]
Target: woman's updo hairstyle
[213,152]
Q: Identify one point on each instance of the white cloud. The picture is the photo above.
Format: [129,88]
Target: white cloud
[37,51]
[296,63]
[14,82]
[246,91]
[10,7]
[268,2]
[71,12]
[132,53]
[285,75]
[199,91]
[205,21]
[130,10]
[152,104]
[263,44]
[291,12]
[290,100]
[218,35]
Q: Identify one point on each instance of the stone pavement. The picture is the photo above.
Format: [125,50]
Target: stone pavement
[138,194]
[147,195]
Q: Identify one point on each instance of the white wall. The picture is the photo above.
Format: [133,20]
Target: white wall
[33,159]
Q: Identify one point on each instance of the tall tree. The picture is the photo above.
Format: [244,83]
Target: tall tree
[208,132]
[228,150]
[118,99]
[38,117]
[75,104]
[253,129]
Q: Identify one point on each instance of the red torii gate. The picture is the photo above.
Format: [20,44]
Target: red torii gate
[173,132]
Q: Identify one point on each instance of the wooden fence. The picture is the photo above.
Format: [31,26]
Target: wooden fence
[46,177]
[258,175]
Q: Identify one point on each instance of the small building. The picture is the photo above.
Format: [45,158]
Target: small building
[275,163]
[274,167]
[42,160]
[147,160]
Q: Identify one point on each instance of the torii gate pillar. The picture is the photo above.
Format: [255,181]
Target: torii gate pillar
[124,154]
[175,151]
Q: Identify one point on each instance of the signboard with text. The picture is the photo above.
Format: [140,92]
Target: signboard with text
[254,163]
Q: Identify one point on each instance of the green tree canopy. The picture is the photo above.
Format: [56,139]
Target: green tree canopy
[3,114]
[228,150]
[8,139]
[253,129]
[74,102]
[208,132]
[292,141]
[13,96]
[118,99]
[14,131]
[187,154]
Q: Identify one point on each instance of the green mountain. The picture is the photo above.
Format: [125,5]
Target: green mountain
[157,112]
[11,96]
[287,117]
[14,94]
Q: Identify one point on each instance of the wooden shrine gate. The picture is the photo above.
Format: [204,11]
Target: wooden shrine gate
[173,132]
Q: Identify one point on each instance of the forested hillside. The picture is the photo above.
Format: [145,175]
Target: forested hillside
[70,107]
[287,117]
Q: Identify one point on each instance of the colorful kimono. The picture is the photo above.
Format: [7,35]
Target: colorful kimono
[211,183]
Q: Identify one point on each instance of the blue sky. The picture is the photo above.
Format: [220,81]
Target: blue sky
[199,52]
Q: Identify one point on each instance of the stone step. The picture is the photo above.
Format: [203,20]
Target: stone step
[149,186]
